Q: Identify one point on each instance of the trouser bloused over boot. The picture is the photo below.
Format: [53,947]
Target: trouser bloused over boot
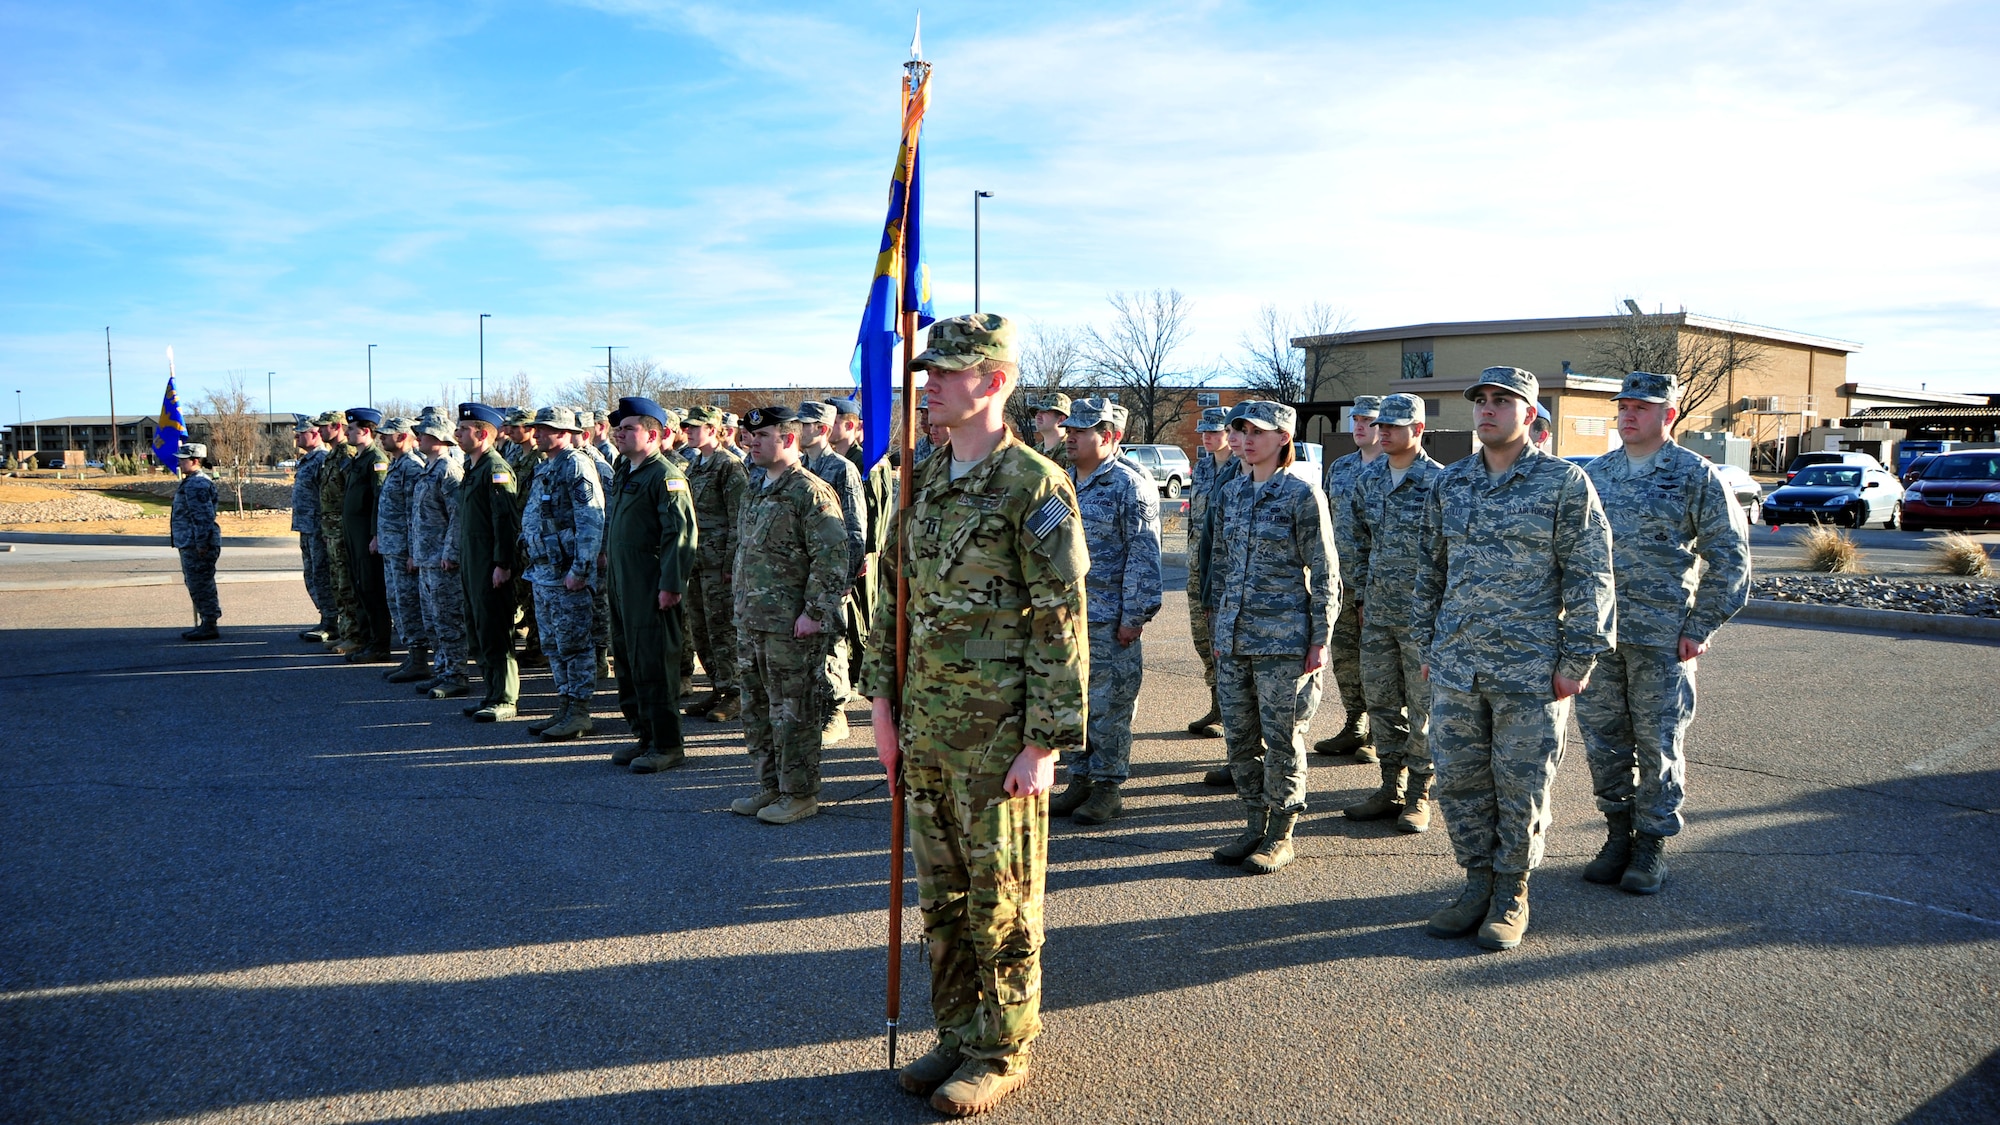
[1267,705]
[1496,755]
[785,703]
[1634,717]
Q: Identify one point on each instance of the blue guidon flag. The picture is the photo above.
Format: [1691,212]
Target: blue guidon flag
[169,431]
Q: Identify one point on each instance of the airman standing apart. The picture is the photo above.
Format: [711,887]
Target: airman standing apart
[1121,532]
[1681,557]
[433,538]
[717,484]
[992,546]
[650,542]
[1381,543]
[305,521]
[562,534]
[1344,655]
[392,544]
[1213,467]
[824,462]
[198,538]
[792,571]
[483,554]
[1513,606]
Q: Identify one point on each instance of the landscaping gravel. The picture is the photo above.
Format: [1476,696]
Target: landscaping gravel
[1970,598]
[72,507]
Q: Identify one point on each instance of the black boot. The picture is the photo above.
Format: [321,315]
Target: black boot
[1071,798]
[1609,866]
[206,631]
[1647,872]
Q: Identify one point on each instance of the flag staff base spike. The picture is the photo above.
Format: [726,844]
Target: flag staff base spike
[892,1044]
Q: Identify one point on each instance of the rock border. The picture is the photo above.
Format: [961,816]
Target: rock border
[86,540]
[1855,617]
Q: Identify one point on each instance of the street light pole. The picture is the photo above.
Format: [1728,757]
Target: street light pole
[371,376]
[112,387]
[976,197]
[483,317]
[610,394]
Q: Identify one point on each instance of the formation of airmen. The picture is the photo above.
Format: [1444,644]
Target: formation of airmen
[1460,608]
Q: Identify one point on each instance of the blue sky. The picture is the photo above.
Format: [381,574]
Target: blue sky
[273,187]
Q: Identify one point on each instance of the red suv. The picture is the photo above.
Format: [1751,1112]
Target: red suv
[1959,489]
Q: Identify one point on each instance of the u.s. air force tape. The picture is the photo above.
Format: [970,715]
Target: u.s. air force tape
[1048,517]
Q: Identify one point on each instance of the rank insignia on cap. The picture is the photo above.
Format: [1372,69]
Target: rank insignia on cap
[1048,517]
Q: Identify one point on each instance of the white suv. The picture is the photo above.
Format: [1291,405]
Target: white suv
[1168,463]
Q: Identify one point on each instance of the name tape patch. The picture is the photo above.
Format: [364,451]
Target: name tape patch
[1048,517]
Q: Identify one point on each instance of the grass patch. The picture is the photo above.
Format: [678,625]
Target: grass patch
[1831,551]
[1961,555]
[153,503]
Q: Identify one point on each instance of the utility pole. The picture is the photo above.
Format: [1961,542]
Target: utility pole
[267,399]
[483,318]
[371,376]
[976,197]
[111,386]
[610,394]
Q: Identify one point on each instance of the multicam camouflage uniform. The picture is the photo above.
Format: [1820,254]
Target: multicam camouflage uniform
[1381,545]
[792,560]
[332,502]
[718,482]
[600,595]
[433,541]
[1277,582]
[199,539]
[359,499]
[562,533]
[1121,532]
[1343,654]
[522,461]
[1682,563]
[392,541]
[840,474]
[1514,587]
[312,547]
[998,659]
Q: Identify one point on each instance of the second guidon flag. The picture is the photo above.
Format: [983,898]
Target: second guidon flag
[902,281]
[169,431]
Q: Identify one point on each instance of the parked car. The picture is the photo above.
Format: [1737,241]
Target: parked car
[1959,489]
[1849,494]
[1829,458]
[1748,493]
[1168,463]
[1309,453]
[1915,467]
[288,465]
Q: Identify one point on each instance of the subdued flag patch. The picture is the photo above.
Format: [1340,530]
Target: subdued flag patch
[1048,517]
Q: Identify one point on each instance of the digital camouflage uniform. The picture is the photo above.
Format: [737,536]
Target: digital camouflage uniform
[1681,558]
[365,472]
[199,539]
[840,474]
[792,559]
[1199,492]
[332,504]
[562,533]
[1121,533]
[1343,653]
[1381,545]
[998,659]
[650,540]
[312,546]
[1514,586]
[433,540]
[522,463]
[392,539]
[717,483]
[600,594]
[1277,583]
[488,538]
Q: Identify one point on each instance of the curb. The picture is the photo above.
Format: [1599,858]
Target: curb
[139,540]
[1854,617]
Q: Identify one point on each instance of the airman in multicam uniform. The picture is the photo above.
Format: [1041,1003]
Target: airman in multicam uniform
[392,543]
[1344,656]
[792,572]
[1380,537]
[879,495]
[359,498]
[826,463]
[1214,466]
[1050,410]
[198,538]
[523,458]
[1121,532]
[1513,606]
[562,535]
[1279,582]
[993,550]
[305,521]
[433,505]
[1681,557]
[332,496]
[593,423]
[717,484]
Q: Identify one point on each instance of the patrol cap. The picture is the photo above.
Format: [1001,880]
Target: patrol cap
[923,400]
[676,417]
[432,426]
[1400,410]
[365,416]
[704,416]
[729,419]
[1266,415]
[1646,386]
[396,426]
[1055,401]
[1366,406]
[819,412]
[516,416]
[1214,420]
[1513,380]
[1091,411]
[638,406]
[959,342]
[192,451]
[556,418]
[303,425]
[845,406]
[480,412]
[769,416]
[328,418]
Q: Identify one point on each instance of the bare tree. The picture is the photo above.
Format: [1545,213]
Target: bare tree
[1052,357]
[234,431]
[1135,357]
[1702,360]
[1274,368]
[641,376]
[517,391]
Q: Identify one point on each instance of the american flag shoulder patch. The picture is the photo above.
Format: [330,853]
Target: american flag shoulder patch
[675,484]
[1048,517]
[502,478]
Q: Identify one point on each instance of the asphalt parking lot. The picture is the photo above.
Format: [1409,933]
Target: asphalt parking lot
[245,882]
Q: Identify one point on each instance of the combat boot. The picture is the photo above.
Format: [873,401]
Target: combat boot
[1648,870]
[370,656]
[318,634]
[450,687]
[1071,798]
[975,1087]
[658,760]
[1386,801]
[494,713]
[1103,805]
[1416,813]
[417,667]
[1209,725]
[751,806]
[725,709]
[1237,850]
[1609,866]
[562,712]
[786,810]
[346,646]
[933,1070]
[1351,738]
[575,722]
[701,706]
[603,667]
[206,631]
[1221,777]
[626,755]
[533,658]
[1507,917]
[835,731]
[1464,915]
[1276,850]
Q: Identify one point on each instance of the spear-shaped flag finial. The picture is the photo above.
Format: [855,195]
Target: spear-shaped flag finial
[917,40]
